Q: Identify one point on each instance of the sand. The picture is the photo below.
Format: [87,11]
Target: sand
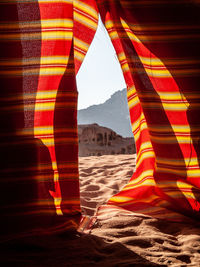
[117,239]
[102,177]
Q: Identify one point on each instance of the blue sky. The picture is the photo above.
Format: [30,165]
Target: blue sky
[100,74]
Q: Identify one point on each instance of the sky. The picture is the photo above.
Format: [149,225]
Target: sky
[100,74]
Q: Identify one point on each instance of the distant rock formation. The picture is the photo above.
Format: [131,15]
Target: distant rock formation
[95,140]
[114,113]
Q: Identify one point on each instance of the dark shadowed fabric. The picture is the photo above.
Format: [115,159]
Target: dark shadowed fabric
[42,46]
[40,42]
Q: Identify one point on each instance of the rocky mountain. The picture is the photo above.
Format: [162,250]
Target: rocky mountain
[113,113]
[95,140]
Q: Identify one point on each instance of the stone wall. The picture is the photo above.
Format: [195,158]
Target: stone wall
[95,140]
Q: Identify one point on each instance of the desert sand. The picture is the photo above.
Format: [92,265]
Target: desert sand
[118,239]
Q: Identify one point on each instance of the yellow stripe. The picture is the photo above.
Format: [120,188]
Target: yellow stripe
[20,25]
[42,130]
[189,173]
[142,127]
[46,94]
[131,200]
[133,102]
[168,106]
[122,56]
[20,36]
[65,165]
[48,23]
[51,94]
[46,35]
[161,73]
[81,44]
[151,61]
[44,106]
[54,1]
[131,91]
[53,71]
[144,174]
[143,156]
[85,20]
[47,141]
[179,184]
[152,27]
[109,24]
[178,162]
[57,203]
[47,106]
[57,23]
[137,122]
[168,95]
[86,8]
[176,128]
[54,60]
[34,61]
[177,191]
[78,55]
[56,35]
[121,199]
[173,139]
[144,146]
[164,73]
[146,182]
[125,67]
[42,71]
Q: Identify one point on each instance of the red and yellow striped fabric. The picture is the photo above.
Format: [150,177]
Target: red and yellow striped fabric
[157,43]
[42,46]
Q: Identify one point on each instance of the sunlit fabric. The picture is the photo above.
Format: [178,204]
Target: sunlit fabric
[42,46]
[157,43]
[41,42]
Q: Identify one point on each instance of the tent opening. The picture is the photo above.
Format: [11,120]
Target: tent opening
[100,74]
[100,77]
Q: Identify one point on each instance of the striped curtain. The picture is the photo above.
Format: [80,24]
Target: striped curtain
[42,46]
[157,43]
